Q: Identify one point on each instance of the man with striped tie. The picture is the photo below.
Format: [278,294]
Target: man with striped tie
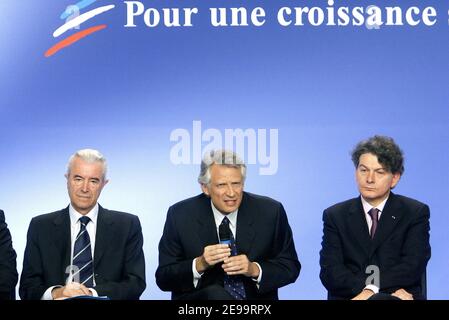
[376,246]
[84,249]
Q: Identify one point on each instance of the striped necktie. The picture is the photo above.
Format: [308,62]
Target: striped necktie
[82,256]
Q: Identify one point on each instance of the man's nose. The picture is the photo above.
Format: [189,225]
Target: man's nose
[85,186]
[370,177]
[230,191]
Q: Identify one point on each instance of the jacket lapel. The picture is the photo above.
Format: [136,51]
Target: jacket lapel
[356,222]
[62,241]
[245,229]
[207,230]
[390,216]
[103,235]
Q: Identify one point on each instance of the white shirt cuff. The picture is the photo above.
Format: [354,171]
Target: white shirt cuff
[196,274]
[259,278]
[47,294]
[94,292]
[373,288]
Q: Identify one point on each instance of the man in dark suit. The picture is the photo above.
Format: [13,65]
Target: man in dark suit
[375,246]
[196,261]
[84,249]
[8,271]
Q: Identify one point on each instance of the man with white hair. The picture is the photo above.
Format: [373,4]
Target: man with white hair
[225,243]
[84,249]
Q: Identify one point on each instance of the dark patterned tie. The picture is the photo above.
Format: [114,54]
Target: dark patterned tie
[374,214]
[82,256]
[233,284]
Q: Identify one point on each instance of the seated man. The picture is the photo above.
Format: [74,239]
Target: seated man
[84,249]
[8,271]
[375,246]
[226,243]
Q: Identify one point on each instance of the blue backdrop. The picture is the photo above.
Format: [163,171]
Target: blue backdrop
[125,90]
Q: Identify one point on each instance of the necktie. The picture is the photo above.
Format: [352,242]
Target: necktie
[233,284]
[82,256]
[374,213]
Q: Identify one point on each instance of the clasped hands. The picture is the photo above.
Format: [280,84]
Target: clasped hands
[232,265]
[72,289]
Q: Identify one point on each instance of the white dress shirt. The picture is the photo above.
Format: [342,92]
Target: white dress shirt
[218,217]
[75,226]
[369,221]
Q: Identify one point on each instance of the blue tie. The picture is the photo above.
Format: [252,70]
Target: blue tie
[82,256]
[233,284]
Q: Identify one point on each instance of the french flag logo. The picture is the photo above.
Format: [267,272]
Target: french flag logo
[73,20]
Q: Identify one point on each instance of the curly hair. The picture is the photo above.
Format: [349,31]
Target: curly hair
[387,151]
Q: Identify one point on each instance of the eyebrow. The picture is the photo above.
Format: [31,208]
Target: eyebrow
[78,176]
[377,169]
[230,182]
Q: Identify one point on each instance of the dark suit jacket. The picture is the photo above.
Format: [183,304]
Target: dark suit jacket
[400,247]
[263,234]
[119,264]
[8,271]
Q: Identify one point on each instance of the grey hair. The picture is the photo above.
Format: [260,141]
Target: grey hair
[223,157]
[90,156]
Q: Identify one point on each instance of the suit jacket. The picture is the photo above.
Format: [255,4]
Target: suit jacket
[8,271]
[119,264]
[400,247]
[263,234]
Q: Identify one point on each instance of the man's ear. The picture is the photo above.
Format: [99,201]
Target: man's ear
[205,189]
[396,178]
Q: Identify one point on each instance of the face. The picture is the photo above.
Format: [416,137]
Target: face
[84,184]
[225,188]
[373,180]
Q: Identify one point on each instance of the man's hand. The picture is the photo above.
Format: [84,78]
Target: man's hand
[240,265]
[364,295]
[70,290]
[211,256]
[402,294]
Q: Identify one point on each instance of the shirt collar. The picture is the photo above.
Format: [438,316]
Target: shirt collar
[367,207]
[218,216]
[75,215]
